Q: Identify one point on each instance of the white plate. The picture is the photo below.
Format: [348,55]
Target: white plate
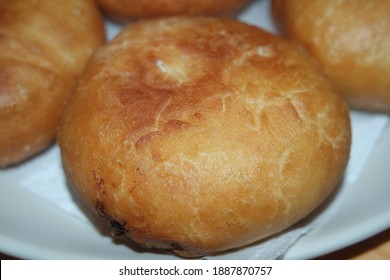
[45,231]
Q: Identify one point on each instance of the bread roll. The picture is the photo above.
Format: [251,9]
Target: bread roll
[349,39]
[44,46]
[201,135]
[125,10]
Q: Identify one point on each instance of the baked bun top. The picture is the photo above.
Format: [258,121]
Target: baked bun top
[349,39]
[44,46]
[203,134]
[138,9]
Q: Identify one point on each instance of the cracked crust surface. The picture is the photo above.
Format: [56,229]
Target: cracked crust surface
[349,39]
[202,134]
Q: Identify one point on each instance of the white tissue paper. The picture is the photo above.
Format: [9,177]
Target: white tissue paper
[43,175]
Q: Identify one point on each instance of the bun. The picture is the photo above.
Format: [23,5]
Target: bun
[44,46]
[202,135]
[137,9]
[350,40]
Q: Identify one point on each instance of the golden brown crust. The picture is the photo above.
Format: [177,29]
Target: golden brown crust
[349,39]
[44,46]
[125,10]
[202,134]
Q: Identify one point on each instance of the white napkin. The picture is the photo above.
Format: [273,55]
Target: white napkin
[43,175]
